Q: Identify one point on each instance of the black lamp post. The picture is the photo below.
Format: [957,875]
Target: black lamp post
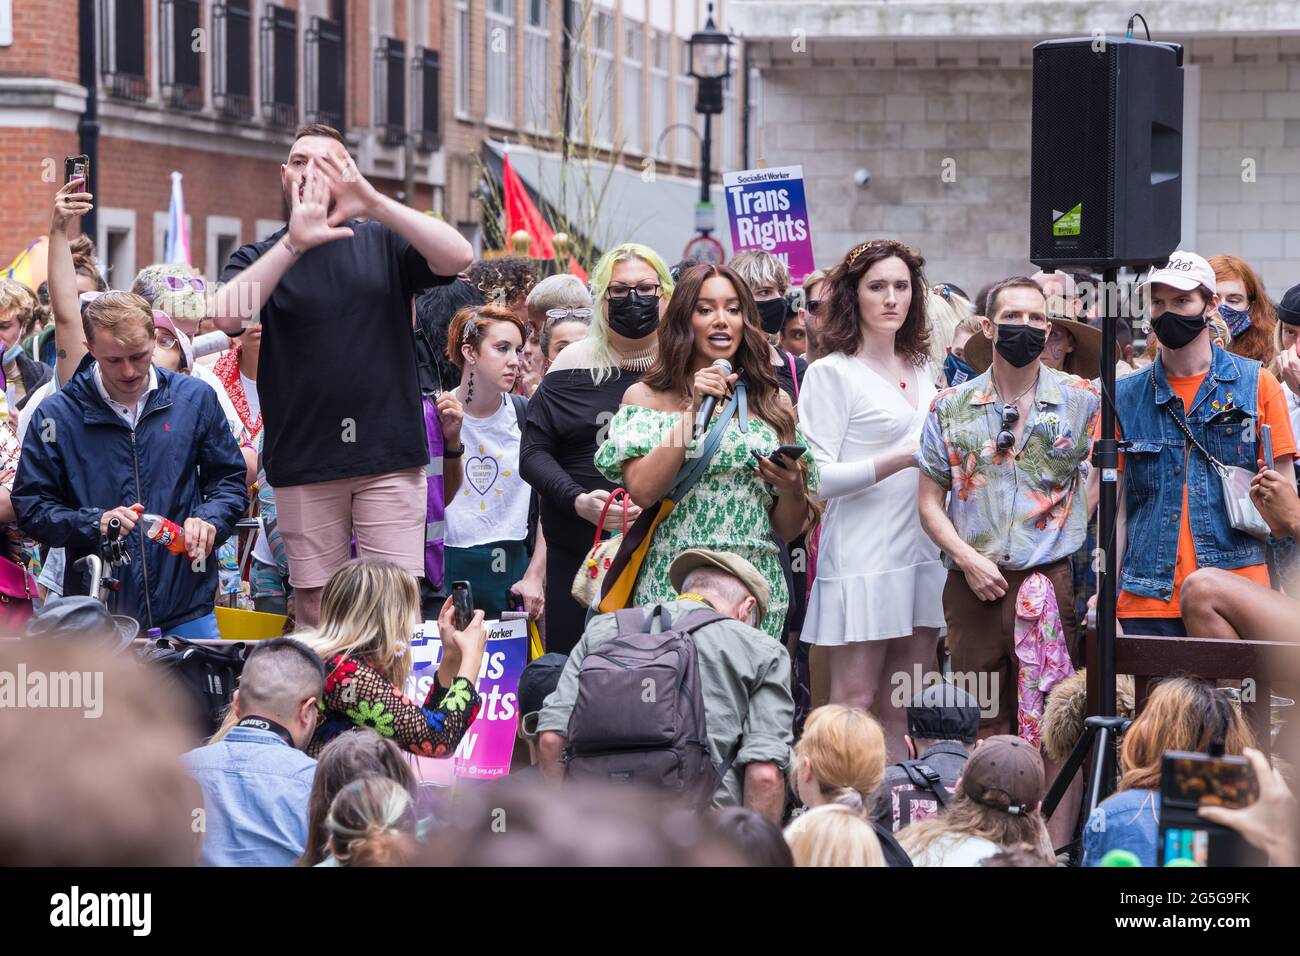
[710,64]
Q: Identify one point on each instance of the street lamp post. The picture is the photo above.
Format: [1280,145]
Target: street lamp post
[710,64]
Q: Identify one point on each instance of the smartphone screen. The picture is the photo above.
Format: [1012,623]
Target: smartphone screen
[1184,843]
[462,598]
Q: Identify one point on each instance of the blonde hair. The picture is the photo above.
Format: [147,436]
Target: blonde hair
[1182,713]
[117,313]
[813,278]
[184,303]
[946,315]
[369,609]
[760,269]
[16,297]
[964,818]
[844,748]
[833,835]
[602,354]
[372,823]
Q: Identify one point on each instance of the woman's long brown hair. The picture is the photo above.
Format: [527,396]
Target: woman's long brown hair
[841,325]
[1182,713]
[671,371]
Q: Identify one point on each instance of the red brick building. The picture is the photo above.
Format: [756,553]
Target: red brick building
[213,89]
[426,91]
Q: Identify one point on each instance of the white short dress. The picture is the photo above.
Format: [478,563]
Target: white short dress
[878,574]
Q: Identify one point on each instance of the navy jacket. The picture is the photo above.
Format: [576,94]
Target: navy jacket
[80,459]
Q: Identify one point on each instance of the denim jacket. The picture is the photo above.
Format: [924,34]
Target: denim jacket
[1224,419]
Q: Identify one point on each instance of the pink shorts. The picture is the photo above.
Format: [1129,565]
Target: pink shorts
[386,513]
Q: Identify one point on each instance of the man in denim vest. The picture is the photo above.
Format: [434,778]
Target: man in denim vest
[1172,505]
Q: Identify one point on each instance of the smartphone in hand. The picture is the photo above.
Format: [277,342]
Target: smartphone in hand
[77,167]
[791,453]
[462,599]
[1266,444]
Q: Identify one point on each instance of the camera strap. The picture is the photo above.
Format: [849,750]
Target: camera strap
[262,723]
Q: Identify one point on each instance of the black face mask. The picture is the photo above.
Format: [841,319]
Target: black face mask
[1020,344]
[1175,331]
[634,316]
[772,313]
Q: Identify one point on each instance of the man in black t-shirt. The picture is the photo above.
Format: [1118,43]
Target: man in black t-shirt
[345,445]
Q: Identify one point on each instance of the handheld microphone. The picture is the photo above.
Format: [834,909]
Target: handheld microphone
[705,414]
[209,343]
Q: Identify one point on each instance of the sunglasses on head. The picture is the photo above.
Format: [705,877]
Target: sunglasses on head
[559,314]
[175,284]
[1006,437]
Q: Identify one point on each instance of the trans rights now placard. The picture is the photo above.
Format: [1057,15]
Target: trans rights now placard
[484,752]
[768,210]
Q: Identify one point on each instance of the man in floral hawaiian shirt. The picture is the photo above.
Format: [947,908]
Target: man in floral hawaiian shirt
[1009,449]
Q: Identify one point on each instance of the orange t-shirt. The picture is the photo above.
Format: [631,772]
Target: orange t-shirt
[1272,412]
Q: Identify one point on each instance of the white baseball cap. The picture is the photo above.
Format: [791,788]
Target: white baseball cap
[1185,271]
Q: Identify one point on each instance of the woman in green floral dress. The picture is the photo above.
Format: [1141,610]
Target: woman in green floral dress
[743,498]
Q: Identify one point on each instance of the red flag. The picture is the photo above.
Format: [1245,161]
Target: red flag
[521,214]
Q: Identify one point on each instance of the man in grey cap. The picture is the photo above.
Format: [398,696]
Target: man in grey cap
[942,723]
[744,678]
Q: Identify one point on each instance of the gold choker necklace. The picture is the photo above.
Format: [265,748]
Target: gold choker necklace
[638,361]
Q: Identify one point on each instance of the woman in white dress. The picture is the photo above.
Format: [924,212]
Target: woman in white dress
[877,602]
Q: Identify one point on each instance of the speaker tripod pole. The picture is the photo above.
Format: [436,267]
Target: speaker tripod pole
[1100,730]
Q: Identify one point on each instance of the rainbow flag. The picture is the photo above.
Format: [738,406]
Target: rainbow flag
[29,266]
[178,237]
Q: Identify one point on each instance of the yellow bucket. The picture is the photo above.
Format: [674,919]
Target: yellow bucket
[239,625]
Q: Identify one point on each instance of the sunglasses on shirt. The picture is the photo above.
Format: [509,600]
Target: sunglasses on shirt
[1006,437]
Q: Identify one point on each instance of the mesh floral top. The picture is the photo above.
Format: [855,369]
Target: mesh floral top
[358,695]
[729,509]
[1023,507]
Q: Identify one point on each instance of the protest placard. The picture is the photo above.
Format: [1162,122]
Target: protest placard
[768,210]
[484,751]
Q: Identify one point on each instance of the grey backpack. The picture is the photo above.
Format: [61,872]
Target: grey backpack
[639,716]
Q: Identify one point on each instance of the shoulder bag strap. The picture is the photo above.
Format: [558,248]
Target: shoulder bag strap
[1182,425]
[694,468]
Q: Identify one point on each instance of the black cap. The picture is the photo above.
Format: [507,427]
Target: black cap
[943,711]
[81,616]
[1288,310]
[539,680]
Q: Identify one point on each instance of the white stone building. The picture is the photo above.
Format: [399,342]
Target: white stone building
[896,87]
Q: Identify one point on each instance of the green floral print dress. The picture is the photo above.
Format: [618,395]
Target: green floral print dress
[729,509]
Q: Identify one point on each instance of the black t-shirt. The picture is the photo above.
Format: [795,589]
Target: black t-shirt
[337,374]
[785,379]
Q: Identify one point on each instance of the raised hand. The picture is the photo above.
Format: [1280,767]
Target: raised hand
[352,193]
[71,202]
[310,224]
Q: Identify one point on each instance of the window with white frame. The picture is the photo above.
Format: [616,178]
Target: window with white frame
[659,112]
[500,48]
[633,83]
[579,43]
[222,239]
[462,58]
[602,87]
[537,67]
[686,142]
[116,244]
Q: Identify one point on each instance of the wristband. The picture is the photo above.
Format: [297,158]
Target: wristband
[454,454]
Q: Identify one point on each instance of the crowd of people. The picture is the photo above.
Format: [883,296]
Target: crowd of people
[858,507]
